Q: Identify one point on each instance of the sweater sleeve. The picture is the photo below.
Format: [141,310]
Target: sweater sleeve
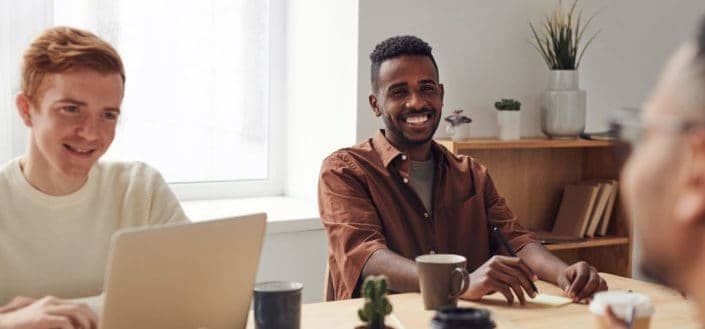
[164,207]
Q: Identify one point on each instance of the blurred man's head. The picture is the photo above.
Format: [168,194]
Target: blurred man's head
[664,179]
[72,89]
[406,92]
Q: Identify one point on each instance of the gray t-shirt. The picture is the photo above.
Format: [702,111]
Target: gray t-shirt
[421,179]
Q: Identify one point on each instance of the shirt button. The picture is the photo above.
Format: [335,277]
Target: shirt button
[425,215]
[403,156]
[406,180]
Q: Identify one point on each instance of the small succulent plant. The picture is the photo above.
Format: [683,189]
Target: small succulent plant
[457,118]
[507,104]
[377,306]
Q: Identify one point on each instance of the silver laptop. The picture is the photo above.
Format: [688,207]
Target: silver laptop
[191,276]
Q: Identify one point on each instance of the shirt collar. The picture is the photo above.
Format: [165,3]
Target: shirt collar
[388,153]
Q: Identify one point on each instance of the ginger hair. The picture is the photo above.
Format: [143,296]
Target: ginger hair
[62,49]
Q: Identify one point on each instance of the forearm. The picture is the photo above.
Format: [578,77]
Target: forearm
[546,265]
[400,271]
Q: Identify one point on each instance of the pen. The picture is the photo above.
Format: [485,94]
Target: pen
[503,241]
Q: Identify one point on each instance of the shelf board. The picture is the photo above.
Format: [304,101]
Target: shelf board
[590,243]
[528,143]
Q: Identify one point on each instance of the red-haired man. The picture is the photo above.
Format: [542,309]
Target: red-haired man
[60,204]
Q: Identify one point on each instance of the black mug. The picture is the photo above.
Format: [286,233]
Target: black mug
[278,305]
[462,317]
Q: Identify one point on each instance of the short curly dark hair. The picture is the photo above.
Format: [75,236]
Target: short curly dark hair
[394,47]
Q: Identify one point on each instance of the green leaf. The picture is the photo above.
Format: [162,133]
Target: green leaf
[362,316]
[560,44]
[387,309]
[580,58]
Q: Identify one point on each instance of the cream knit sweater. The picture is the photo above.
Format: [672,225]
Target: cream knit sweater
[59,245]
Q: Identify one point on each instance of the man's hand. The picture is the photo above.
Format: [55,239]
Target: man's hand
[47,313]
[16,304]
[580,281]
[503,274]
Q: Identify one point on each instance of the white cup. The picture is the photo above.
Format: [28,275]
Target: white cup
[621,303]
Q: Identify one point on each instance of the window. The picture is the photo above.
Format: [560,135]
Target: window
[197,95]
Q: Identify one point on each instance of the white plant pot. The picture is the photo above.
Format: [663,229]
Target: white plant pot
[563,109]
[459,132]
[509,124]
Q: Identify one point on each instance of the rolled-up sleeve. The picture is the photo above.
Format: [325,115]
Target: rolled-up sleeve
[498,213]
[351,221]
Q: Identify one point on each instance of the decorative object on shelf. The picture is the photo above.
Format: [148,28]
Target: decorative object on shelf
[377,306]
[508,118]
[458,127]
[563,108]
[599,136]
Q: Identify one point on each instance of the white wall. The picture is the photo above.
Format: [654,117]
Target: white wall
[483,53]
[321,87]
[296,256]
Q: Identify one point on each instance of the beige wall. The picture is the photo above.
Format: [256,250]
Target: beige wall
[483,53]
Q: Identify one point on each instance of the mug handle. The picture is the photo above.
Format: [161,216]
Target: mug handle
[464,284]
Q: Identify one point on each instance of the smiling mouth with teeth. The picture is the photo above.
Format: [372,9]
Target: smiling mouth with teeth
[81,151]
[418,119]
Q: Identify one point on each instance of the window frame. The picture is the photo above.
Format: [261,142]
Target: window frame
[273,185]
[14,138]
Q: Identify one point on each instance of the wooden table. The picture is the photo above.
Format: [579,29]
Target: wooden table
[672,310]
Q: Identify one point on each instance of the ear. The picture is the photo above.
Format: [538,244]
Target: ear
[374,104]
[24,106]
[443,91]
[690,204]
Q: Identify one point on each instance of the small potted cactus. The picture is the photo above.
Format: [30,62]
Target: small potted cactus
[458,125]
[377,306]
[508,118]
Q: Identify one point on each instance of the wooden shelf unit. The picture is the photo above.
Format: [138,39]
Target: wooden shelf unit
[590,243]
[531,174]
[529,143]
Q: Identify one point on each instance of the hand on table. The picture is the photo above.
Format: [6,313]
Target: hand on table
[503,274]
[16,303]
[46,313]
[580,281]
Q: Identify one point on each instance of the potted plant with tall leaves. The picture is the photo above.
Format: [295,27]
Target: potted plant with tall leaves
[560,43]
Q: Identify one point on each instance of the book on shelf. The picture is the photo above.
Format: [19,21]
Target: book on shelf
[607,215]
[575,210]
[603,197]
[584,212]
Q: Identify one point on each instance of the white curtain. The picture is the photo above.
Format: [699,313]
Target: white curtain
[20,22]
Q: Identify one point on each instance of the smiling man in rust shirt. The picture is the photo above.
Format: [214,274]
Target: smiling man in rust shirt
[399,195]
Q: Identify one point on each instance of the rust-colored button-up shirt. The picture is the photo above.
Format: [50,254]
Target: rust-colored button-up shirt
[366,204]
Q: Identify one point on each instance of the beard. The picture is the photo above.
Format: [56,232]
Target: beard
[399,135]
